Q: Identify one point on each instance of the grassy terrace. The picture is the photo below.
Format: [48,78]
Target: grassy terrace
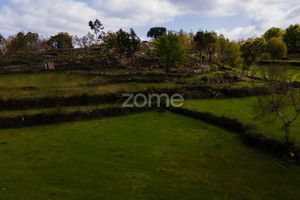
[295,70]
[142,156]
[57,109]
[63,84]
[242,109]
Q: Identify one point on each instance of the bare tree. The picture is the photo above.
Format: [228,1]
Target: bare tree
[97,27]
[282,99]
[85,41]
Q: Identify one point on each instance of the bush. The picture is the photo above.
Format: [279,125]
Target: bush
[204,78]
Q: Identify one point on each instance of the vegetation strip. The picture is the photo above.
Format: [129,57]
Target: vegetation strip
[42,118]
[248,133]
[194,92]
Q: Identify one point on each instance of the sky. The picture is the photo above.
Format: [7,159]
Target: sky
[236,19]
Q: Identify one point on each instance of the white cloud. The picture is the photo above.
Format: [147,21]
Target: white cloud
[46,17]
[136,12]
[240,32]
[51,17]
[264,14]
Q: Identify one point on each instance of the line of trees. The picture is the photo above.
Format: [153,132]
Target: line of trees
[208,45]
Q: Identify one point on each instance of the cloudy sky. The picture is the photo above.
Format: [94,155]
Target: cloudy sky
[235,19]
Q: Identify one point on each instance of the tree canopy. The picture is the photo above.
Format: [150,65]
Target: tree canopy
[205,42]
[292,38]
[22,42]
[170,51]
[98,28]
[128,43]
[155,32]
[252,50]
[273,32]
[61,41]
[277,48]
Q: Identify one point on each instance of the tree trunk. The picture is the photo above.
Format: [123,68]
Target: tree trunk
[201,60]
[108,63]
[133,60]
[286,126]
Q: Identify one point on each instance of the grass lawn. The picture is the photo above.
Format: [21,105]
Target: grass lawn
[142,156]
[242,109]
[296,71]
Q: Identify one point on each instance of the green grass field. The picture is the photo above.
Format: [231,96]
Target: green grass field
[142,156]
[242,109]
[295,70]
[63,84]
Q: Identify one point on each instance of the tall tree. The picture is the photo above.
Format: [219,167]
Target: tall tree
[97,27]
[184,40]
[222,50]
[61,41]
[170,51]
[206,43]
[252,50]
[155,32]
[110,45]
[2,40]
[128,43]
[292,38]
[86,41]
[234,56]
[273,32]
[276,48]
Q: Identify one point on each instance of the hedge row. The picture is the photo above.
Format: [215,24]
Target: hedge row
[147,74]
[83,100]
[233,92]
[247,132]
[287,63]
[42,118]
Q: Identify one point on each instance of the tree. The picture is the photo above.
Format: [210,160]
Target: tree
[128,43]
[184,40]
[31,39]
[1,38]
[252,50]
[170,51]
[273,32]
[109,45]
[282,100]
[206,43]
[292,38]
[2,44]
[222,50]
[228,53]
[234,56]
[276,48]
[61,41]
[155,32]
[85,41]
[22,42]
[97,27]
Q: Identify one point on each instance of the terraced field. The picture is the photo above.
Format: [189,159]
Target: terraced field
[143,156]
[243,109]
